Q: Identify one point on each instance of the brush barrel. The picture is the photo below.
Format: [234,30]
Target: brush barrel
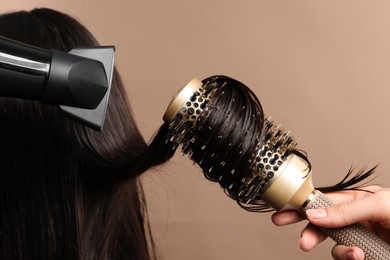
[354,235]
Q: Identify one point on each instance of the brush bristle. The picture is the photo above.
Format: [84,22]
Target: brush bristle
[272,150]
[244,182]
[223,130]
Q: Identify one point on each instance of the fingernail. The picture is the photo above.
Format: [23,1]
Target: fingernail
[316,213]
[350,256]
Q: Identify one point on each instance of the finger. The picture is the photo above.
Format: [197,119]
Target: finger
[359,210]
[349,195]
[310,238]
[340,252]
[286,217]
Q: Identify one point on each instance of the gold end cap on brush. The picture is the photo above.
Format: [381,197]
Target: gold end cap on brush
[180,98]
[293,186]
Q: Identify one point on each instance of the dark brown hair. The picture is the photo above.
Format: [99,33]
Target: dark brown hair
[68,192]
[224,138]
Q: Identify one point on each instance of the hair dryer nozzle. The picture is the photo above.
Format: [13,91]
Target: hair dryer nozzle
[94,118]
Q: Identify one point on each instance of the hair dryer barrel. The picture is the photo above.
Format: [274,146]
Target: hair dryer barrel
[53,77]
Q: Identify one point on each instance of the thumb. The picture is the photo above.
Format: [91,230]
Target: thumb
[359,210]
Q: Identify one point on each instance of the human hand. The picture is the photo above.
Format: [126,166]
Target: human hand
[372,209]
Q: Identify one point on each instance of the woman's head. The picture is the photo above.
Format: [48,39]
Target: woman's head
[51,29]
[67,190]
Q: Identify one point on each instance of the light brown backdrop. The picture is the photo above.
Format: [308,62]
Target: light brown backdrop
[321,68]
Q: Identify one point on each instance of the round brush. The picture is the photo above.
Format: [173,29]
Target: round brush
[219,123]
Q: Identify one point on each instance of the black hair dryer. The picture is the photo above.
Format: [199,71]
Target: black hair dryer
[79,82]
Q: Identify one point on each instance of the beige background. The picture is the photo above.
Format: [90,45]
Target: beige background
[319,67]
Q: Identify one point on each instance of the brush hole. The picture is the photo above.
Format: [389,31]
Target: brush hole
[178,117]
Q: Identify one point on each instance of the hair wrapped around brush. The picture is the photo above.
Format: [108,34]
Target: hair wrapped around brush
[223,129]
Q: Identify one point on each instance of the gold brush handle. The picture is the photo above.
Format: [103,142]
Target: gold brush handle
[354,235]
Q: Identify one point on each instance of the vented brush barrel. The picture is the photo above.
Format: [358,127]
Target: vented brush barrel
[220,124]
[179,100]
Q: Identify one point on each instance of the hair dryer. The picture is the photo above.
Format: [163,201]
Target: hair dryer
[78,82]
